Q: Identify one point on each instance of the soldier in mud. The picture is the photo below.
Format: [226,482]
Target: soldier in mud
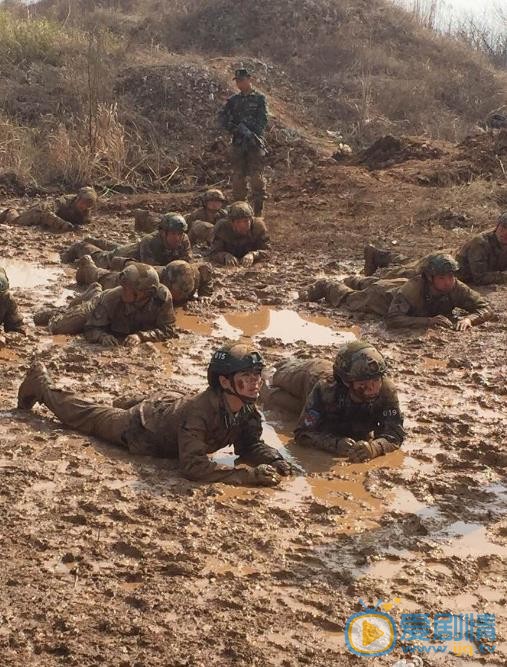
[427,300]
[139,310]
[482,259]
[64,215]
[168,243]
[10,316]
[181,278]
[349,407]
[202,221]
[240,239]
[245,117]
[180,426]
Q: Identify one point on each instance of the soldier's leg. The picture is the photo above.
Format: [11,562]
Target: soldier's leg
[375,298]
[277,398]
[374,259]
[9,216]
[55,223]
[30,217]
[85,416]
[255,170]
[88,272]
[78,250]
[333,291]
[239,174]
[103,244]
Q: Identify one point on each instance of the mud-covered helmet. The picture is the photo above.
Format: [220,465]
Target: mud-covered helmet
[357,361]
[439,264]
[232,359]
[213,195]
[173,222]
[502,220]
[87,195]
[239,210]
[179,275]
[4,281]
[140,277]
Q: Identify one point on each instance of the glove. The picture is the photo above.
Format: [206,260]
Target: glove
[248,260]
[286,468]
[265,475]
[337,446]
[108,341]
[440,321]
[364,451]
[132,340]
[230,260]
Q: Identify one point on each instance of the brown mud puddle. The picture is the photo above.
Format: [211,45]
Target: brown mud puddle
[26,275]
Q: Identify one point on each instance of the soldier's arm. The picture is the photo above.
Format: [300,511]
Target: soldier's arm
[390,431]
[97,325]
[218,250]
[262,245]
[225,117]
[398,315]
[261,119]
[250,446]
[193,455]
[308,431]
[187,249]
[13,320]
[166,320]
[474,303]
[478,263]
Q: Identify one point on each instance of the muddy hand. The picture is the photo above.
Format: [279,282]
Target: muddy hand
[286,468]
[266,475]
[230,260]
[247,261]
[132,340]
[109,341]
[441,322]
[361,452]
[463,324]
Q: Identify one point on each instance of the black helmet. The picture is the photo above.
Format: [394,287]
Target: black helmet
[357,361]
[173,222]
[439,264]
[232,359]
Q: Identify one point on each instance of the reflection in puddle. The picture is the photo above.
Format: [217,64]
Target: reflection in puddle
[471,540]
[25,275]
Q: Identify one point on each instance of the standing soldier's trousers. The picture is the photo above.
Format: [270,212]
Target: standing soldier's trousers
[248,163]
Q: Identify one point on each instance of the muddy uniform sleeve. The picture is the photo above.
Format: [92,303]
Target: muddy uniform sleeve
[218,250]
[12,320]
[261,117]
[98,323]
[226,116]
[262,244]
[478,260]
[473,302]
[399,313]
[166,320]
[308,431]
[390,429]
[186,250]
[250,446]
[193,454]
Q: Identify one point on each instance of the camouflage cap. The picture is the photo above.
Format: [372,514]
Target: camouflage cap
[231,359]
[4,281]
[88,195]
[239,210]
[213,195]
[502,219]
[180,277]
[173,222]
[242,73]
[439,264]
[139,276]
[358,360]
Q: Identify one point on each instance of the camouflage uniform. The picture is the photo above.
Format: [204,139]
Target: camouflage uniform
[10,316]
[247,153]
[62,215]
[483,260]
[201,224]
[226,241]
[149,250]
[293,381]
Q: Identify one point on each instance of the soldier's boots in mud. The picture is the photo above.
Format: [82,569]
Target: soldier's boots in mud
[31,390]
[43,317]
[87,271]
[333,291]
[374,259]
[9,216]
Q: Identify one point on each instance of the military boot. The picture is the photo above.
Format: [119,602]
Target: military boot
[42,317]
[335,292]
[315,292]
[375,259]
[31,390]
[77,250]
[87,271]
[9,216]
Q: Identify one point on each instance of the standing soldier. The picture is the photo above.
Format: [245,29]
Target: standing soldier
[245,117]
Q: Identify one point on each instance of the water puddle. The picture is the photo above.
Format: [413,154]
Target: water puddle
[471,540]
[26,275]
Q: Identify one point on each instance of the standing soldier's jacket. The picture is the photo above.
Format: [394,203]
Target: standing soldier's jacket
[329,412]
[247,108]
[151,321]
[414,303]
[483,260]
[226,241]
[192,428]
[151,250]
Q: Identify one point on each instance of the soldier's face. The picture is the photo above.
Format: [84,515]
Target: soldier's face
[214,205]
[444,283]
[82,205]
[172,239]
[244,85]
[131,295]
[501,234]
[241,227]
[246,383]
[366,390]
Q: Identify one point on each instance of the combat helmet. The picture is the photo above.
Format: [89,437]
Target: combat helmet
[239,210]
[173,222]
[357,361]
[231,359]
[179,275]
[213,195]
[87,195]
[139,277]
[439,264]
[4,281]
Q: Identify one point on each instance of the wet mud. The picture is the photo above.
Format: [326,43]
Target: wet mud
[112,559]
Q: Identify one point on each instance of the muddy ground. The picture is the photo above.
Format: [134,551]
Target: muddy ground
[114,560]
